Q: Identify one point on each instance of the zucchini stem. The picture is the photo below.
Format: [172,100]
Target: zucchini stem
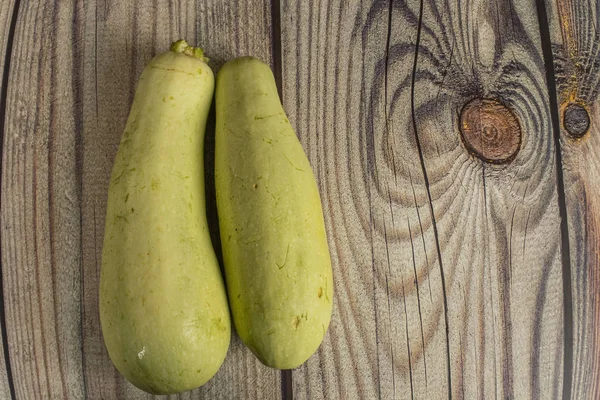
[181,46]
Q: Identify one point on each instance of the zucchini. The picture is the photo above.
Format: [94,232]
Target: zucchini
[277,263]
[163,304]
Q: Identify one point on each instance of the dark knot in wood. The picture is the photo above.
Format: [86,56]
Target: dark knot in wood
[490,130]
[576,120]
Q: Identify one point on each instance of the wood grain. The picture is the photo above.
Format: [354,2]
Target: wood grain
[6,16]
[73,73]
[574,36]
[6,23]
[448,269]
[453,276]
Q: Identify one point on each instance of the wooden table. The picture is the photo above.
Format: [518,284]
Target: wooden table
[458,156]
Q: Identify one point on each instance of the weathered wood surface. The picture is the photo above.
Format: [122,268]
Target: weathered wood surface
[6,17]
[73,71]
[575,40]
[449,269]
[465,245]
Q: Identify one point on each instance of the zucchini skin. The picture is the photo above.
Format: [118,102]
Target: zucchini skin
[275,251]
[163,304]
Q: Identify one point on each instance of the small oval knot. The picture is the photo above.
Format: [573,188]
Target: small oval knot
[576,120]
[490,130]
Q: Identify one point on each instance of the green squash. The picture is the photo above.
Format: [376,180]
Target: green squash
[277,263]
[163,304]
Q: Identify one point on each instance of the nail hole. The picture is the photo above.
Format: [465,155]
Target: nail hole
[576,120]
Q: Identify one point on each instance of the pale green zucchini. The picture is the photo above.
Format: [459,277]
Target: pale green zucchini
[163,304]
[277,262]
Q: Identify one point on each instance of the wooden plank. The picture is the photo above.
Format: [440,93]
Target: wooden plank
[73,77]
[40,254]
[448,268]
[6,15]
[7,9]
[575,40]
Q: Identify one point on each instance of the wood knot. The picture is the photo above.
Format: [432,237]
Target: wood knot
[490,130]
[576,120]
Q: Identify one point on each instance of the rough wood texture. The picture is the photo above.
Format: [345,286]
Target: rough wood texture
[448,269]
[73,73]
[490,130]
[575,40]
[453,276]
[6,17]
